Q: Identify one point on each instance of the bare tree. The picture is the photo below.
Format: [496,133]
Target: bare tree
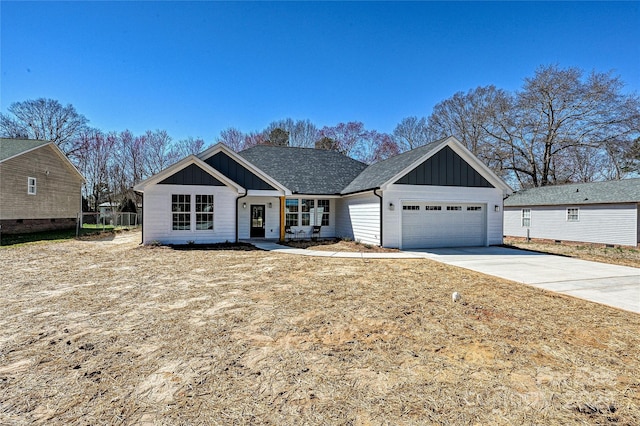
[185,147]
[45,119]
[411,133]
[233,138]
[302,133]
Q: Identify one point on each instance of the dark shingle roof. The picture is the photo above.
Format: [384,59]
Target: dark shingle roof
[305,170]
[614,191]
[12,147]
[379,173]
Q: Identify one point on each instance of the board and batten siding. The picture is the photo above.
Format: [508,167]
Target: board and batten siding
[157,216]
[58,187]
[602,223]
[399,194]
[358,218]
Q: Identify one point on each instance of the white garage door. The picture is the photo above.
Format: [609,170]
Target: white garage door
[429,225]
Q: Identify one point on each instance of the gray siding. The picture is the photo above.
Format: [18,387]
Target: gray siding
[237,172]
[191,175]
[445,168]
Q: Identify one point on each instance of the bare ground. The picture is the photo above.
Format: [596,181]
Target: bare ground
[107,332]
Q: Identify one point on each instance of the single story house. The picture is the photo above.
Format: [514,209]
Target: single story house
[596,212]
[437,195]
[40,189]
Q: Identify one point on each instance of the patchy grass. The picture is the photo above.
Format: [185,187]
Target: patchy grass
[616,256]
[108,332]
[58,235]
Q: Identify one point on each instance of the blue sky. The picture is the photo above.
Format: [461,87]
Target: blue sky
[195,68]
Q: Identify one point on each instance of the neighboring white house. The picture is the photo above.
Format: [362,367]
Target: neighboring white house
[596,212]
[437,195]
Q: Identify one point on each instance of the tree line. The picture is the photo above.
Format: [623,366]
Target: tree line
[563,125]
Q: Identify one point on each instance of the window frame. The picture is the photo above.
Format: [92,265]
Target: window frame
[190,212]
[326,211]
[525,215]
[573,216]
[32,185]
[291,215]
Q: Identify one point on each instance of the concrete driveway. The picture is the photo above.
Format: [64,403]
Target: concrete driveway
[617,286]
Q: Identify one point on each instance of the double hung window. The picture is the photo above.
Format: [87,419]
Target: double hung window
[291,212]
[31,186]
[191,212]
[573,214]
[526,217]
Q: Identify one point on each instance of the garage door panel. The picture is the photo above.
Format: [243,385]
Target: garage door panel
[430,225]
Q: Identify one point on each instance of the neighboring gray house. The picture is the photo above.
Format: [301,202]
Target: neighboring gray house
[596,212]
[39,187]
[437,195]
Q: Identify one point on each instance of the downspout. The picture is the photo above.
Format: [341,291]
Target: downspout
[237,215]
[381,210]
[142,202]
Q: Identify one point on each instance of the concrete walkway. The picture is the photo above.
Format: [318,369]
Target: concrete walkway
[612,285]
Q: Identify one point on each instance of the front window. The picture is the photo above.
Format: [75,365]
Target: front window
[291,212]
[31,186]
[204,212]
[323,211]
[307,208]
[181,212]
[573,215]
[526,217]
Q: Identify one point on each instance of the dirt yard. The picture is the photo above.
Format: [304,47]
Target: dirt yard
[107,332]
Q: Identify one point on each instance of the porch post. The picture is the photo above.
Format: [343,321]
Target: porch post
[282,218]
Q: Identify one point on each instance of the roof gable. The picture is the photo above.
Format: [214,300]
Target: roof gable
[387,172]
[305,170]
[182,173]
[609,192]
[445,168]
[191,175]
[235,171]
[12,148]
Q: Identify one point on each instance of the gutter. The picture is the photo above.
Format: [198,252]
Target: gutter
[381,210]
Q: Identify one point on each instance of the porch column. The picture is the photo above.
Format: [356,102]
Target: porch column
[282,218]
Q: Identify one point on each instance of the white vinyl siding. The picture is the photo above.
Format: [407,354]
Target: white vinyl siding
[358,218]
[158,215]
[441,197]
[604,224]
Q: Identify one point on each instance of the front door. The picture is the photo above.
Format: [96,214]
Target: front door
[257,221]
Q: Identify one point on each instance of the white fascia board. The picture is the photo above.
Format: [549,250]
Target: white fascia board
[465,154]
[191,159]
[222,147]
[264,193]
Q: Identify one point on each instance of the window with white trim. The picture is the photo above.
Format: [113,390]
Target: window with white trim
[435,208]
[204,212]
[181,212]
[573,214]
[323,211]
[406,207]
[291,212]
[454,208]
[31,186]
[474,208]
[307,208]
[526,217]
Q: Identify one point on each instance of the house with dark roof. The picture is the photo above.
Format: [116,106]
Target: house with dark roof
[437,195]
[40,189]
[596,212]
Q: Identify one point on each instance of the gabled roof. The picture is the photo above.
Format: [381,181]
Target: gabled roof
[305,170]
[11,148]
[180,165]
[388,171]
[609,192]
